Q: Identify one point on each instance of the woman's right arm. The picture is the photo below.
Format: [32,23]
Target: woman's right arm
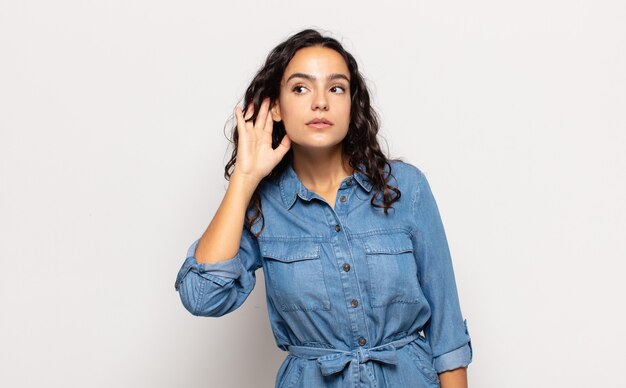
[218,273]
[220,240]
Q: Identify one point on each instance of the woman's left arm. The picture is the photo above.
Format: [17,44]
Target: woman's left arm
[456,378]
[446,330]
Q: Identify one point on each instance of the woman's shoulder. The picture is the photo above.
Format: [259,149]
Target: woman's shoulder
[406,173]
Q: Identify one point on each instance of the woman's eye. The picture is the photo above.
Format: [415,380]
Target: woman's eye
[298,89]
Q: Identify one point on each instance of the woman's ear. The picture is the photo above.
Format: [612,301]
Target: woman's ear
[275,111]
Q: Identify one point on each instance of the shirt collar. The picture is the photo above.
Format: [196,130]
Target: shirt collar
[291,186]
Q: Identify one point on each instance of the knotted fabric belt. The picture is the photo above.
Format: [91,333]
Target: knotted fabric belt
[333,360]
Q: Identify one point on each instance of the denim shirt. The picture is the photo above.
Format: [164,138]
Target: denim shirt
[357,297]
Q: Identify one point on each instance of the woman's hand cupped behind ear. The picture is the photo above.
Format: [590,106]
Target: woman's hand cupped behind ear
[255,156]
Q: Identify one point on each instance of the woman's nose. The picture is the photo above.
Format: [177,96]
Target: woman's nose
[320,102]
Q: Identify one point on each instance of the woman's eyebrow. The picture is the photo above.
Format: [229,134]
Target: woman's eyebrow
[310,77]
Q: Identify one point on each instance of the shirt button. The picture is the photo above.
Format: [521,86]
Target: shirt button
[362,341]
[346,267]
[337,228]
[342,198]
[349,181]
[355,302]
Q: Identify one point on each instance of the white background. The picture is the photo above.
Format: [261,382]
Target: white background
[112,150]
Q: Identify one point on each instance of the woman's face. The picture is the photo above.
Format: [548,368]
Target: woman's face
[315,84]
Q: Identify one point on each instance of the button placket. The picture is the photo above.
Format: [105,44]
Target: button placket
[356,315]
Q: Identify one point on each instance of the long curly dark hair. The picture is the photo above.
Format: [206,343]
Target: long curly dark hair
[360,143]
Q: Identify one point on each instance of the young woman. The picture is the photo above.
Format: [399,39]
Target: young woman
[359,279]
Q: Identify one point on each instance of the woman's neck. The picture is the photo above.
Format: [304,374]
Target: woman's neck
[321,171]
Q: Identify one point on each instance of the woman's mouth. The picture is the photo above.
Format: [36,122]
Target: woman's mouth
[319,123]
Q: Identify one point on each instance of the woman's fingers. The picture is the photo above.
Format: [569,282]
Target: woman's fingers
[261,118]
[269,124]
[249,125]
[249,111]
[241,124]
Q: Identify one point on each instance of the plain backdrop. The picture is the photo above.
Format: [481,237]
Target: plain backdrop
[112,153]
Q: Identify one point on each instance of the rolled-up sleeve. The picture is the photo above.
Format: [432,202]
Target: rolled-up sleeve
[215,289]
[446,331]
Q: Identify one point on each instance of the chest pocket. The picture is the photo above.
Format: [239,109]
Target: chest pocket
[392,269]
[295,274]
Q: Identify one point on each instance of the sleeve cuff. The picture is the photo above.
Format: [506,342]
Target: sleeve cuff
[457,358]
[221,272]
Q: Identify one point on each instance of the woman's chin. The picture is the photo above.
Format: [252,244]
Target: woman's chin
[316,145]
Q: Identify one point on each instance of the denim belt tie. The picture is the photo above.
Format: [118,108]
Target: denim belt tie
[332,361]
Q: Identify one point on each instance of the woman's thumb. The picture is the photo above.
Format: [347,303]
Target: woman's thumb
[284,146]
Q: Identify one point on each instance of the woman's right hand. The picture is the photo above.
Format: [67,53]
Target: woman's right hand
[255,156]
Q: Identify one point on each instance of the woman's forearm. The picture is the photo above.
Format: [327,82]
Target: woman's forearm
[221,239]
[456,378]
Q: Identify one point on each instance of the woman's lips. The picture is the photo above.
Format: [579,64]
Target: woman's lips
[319,125]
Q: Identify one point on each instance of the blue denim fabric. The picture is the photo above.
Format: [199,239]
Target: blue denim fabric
[357,297]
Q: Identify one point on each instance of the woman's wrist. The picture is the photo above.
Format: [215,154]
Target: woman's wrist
[456,378]
[245,181]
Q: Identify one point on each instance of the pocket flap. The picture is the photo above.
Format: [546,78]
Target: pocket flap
[289,251]
[388,243]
